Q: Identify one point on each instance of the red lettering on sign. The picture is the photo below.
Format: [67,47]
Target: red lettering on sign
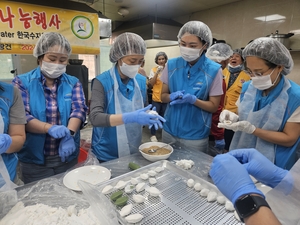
[54,21]
[9,17]
[40,19]
[25,17]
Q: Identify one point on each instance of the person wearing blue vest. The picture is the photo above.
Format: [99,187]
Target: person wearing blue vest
[269,106]
[12,129]
[117,101]
[55,110]
[193,87]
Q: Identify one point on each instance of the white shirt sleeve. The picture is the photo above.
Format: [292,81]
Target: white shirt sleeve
[295,117]
[151,75]
[216,86]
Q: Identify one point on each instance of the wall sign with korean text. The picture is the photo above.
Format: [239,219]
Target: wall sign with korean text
[22,24]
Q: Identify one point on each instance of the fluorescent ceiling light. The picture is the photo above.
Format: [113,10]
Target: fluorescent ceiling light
[270,17]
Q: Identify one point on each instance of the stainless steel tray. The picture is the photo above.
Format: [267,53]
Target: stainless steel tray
[177,203]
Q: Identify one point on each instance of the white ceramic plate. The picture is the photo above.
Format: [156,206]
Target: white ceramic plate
[90,174]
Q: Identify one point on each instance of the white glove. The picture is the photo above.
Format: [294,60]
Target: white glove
[227,115]
[159,69]
[243,126]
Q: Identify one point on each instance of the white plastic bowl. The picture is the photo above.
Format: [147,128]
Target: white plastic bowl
[154,158]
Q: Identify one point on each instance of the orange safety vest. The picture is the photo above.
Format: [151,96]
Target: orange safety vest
[233,93]
[157,87]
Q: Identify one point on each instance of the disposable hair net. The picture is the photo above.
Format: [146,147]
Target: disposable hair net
[219,52]
[160,54]
[198,29]
[52,42]
[127,44]
[238,51]
[271,50]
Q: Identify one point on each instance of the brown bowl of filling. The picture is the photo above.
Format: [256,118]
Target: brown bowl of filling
[163,151]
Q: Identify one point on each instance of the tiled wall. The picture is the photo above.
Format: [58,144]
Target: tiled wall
[235,23]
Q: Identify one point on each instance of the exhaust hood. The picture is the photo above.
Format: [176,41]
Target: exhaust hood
[157,32]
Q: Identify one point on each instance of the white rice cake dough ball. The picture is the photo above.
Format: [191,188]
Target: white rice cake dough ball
[120,185]
[129,188]
[212,196]
[134,181]
[152,180]
[144,176]
[198,187]
[229,206]
[138,198]
[153,191]
[204,192]
[107,189]
[140,187]
[221,199]
[126,210]
[152,173]
[190,183]
[159,169]
[134,218]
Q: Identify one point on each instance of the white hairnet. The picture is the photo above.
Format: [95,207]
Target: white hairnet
[270,50]
[127,44]
[219,52]
[198,29]
[48,40]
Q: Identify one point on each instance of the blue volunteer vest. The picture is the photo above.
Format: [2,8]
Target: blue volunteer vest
[285,157]
[104,143]
[6,101]
[33,149]
[187,121]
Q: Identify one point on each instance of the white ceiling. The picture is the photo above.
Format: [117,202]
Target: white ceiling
[168,9]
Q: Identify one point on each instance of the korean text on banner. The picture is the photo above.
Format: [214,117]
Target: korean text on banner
[22,24]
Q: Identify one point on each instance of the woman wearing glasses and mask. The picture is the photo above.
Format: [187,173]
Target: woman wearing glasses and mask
[268,110]
[55,110]
[117,101]
[193,87]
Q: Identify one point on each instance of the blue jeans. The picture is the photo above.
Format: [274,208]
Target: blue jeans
[160,109]
[194,145]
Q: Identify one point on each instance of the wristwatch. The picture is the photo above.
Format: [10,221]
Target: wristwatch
[72,133]
[249,204]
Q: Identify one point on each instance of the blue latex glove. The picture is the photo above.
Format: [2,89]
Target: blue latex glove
[66,147]
[5,142]
[58,131]
[176,95]
[231,177]
[187,98]
[220,144]
[142,117]
[259,166]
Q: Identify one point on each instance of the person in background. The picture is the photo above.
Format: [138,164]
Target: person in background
[234,78]
[193,87]
[142,70]
[268,110]
[55,110]
[12,127]
[239,188]
[219,53]
[155,83]
[117,101]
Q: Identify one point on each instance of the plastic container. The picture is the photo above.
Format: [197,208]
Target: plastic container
[82,155]
[86,138]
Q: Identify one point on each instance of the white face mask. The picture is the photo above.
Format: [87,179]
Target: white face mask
[190,54]
[264,82]
[129,70]
[52,70]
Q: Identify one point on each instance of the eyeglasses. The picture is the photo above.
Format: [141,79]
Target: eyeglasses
[259,74]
